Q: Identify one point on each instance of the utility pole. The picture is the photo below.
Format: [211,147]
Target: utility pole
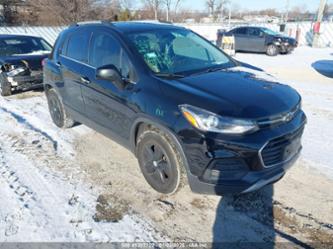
[316,28]
[286,17]
[222,9]
[229,15]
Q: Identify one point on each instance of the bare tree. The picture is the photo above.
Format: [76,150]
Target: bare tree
[211,4]
[154,5]
[9,10]
[169,4]
[59,12]
[216,7]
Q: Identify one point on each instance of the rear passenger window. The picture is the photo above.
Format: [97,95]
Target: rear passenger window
[77,48]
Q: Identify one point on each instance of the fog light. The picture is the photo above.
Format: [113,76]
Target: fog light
[225,170]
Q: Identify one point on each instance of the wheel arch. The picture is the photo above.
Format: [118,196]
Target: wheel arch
[146,121]
[142,122]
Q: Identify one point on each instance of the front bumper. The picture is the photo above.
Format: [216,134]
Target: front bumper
[25,82]
[286,47]
[220,164]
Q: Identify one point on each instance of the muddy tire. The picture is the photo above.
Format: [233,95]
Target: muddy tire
[272,50]
[160,162]
[5,87]
[57,110]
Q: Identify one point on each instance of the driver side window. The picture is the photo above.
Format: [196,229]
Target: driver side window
[105,50]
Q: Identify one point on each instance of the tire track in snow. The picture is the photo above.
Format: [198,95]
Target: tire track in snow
[34,201]
[47,193]
[22,120]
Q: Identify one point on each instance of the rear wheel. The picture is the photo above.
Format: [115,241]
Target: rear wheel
[5,87]
[160,162]
[272,50]
[57,110]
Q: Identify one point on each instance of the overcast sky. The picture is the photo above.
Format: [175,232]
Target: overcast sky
[258,4]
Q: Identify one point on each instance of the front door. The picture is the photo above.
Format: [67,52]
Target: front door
[256,40]
[105,104]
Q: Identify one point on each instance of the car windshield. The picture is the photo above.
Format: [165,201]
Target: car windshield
[269,31]
[178,51]
[13,46]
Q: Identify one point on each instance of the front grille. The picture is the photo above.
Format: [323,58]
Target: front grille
[281,118]
[282,149]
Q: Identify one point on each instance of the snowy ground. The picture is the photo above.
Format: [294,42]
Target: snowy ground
[60,186]
[40,196]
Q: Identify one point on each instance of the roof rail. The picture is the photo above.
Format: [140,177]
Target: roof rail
[154,21]
[91,22]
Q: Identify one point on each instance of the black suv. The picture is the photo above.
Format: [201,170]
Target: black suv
[259,39]
[181,105]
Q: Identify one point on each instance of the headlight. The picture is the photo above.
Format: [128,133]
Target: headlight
[15,71]
[210,122]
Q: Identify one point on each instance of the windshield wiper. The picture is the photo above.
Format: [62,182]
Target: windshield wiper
[209,70]
[170,75]
[216,69]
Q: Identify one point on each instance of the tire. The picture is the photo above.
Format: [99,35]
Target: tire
[272,50]
[160,162]
[5,87]
[57,110]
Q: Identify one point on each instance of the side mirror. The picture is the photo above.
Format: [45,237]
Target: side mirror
[112,74]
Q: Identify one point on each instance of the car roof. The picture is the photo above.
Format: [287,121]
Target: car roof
[255,27]
[4,36]
[132,26]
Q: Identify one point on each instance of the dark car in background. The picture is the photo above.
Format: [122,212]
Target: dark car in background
[259,40]
[181,105]
[21,59]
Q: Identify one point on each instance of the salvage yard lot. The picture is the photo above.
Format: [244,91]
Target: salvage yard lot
[76,185]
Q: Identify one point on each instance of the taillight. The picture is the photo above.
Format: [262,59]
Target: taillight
[44,62]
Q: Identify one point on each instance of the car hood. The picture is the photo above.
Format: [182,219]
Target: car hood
[238,92]
[285,38]
[34,60]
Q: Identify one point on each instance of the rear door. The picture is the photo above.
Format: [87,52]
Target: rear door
[241,39]
[256,40]
[73,63]
[106,105]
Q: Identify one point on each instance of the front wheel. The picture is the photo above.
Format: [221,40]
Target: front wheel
[272,50]
[57,110]
[160,162]
[5,87]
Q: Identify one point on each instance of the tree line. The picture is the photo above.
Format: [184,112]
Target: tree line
[64,12]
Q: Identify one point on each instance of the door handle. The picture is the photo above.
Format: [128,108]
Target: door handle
[85,80]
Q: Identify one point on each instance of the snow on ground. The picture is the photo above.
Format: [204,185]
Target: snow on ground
[299,70]
[37,202]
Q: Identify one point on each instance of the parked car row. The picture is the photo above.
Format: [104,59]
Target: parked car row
[189,112]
